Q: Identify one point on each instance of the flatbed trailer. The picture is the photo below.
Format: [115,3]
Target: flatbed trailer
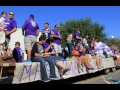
[27,72]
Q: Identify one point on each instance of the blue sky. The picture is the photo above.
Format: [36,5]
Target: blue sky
[109,16]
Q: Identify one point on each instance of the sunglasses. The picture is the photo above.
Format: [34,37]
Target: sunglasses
[11,14]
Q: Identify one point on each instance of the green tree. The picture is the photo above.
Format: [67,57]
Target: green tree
[86,26]
[113,41]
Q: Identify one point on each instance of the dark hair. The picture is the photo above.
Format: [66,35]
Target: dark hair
[69,32]
[32,16]
[3,13]
[47,23]
[75,45]
[17,43]
[50,40]
[42,37]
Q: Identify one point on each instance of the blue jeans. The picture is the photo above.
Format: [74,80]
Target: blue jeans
[43,68]
[56,58]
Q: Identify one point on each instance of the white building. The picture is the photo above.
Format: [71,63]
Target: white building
[18,37]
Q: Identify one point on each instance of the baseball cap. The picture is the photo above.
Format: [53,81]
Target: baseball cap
[11,13]
[32,16]
[57,26]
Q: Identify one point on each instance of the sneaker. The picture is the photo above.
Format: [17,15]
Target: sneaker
[90,68]
[65,70]
[27,61]
[53,79]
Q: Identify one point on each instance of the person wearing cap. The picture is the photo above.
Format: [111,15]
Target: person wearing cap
[57,39]
[31,29]
[11,27]
[17,53]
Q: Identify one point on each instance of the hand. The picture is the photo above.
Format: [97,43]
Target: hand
[46,54]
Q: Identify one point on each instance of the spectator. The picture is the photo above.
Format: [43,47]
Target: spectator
[2,27]
[78,57]
[49,48]
[69,42]
[57,40]
[93,41]
[39,55]
[11,27]
[77,36]
[47,30]
[31,29]
[98,46]
[81,48]
[2,20]
[90,53]
[85,40]
[17,53]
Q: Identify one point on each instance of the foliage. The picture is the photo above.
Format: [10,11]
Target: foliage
[86,26]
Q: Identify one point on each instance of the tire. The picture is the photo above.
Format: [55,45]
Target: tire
[106,71]
[113,69]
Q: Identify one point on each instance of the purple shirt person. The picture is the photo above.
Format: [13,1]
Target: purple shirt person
[31,29]
[17,53]
[81,52]
[90,51]
[11,27]
[77,35]
[57,39]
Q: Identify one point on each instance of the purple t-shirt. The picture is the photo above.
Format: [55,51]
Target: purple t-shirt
[113,50]
[81,53]
[30,27]
[19,52]
[76,34]
[51,49]
[57,40]
[90,51]
[45,45]
[10,25]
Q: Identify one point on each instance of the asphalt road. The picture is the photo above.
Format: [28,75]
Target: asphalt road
[114,76]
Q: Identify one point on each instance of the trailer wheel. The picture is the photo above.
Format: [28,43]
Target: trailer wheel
[113,69]
[106,71]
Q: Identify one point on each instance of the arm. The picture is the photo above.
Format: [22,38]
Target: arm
[12,31]
[14,24]
[78,37]
[38,31]
[41,55]
[24,27]
[48,48]
[57,36]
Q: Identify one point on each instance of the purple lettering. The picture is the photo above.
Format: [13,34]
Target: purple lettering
[28,71]
[36,71]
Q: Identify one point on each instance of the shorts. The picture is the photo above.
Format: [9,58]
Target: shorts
[29,40]
[57,48]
